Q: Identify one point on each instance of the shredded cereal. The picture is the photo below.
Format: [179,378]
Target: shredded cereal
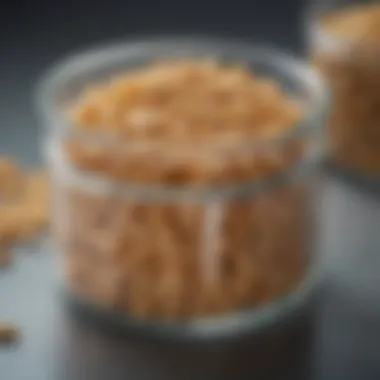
[183,123]
[352,68]
[360,23]
[26,213]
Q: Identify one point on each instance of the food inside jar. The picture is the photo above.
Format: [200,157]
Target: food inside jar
[351,64]
[185,123]
[359,23]
[181,124]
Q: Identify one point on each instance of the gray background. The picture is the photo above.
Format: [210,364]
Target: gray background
[54,346]
[34,34]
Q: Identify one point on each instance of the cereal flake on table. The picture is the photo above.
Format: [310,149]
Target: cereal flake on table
[24,211]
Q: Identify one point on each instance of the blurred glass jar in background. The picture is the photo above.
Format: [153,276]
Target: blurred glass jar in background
[179,232]
[344,42]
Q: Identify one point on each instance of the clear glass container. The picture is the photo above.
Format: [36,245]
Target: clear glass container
[344,43]
[184,254]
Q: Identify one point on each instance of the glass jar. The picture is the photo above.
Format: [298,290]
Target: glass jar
[344,42]
[156,253]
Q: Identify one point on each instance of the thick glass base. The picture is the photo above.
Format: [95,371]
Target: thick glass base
[234,326]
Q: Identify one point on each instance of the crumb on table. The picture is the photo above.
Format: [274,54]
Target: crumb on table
[9,333]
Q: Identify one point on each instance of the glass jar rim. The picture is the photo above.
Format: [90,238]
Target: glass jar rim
[95,58]
[156,193]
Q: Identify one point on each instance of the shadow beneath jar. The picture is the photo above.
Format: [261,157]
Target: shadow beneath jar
[99,350]
[367,185]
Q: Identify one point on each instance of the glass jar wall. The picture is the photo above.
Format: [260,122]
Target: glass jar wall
[138,238]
